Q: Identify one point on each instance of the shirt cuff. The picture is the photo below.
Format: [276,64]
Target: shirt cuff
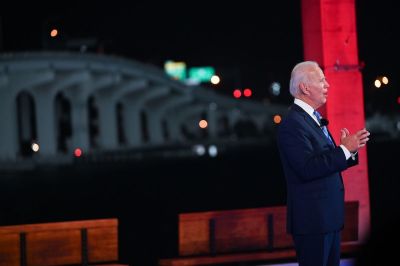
[346,151]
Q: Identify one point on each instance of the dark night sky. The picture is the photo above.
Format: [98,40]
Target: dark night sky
[249,43]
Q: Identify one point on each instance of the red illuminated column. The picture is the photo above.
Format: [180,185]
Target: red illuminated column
[330,38]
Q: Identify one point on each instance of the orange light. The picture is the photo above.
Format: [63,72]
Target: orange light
[277,119]
[77,152]
[237,93]
[203,123]
[54,33]
[247,92]
[385,80]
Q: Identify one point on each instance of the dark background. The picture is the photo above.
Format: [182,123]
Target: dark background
[146,195]
[251,44]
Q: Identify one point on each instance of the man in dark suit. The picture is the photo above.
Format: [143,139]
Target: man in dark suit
[312,164]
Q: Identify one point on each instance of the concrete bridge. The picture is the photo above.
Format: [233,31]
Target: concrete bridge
[53,103]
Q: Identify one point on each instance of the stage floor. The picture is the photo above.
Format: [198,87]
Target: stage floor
[343,262]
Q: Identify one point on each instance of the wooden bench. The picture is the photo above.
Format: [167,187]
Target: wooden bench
[85,242]
[245,235]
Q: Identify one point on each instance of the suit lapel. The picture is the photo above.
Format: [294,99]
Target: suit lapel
[311,122]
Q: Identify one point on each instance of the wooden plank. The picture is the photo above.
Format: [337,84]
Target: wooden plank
[102,244]
[194,236]
[235,230]
[281,238]
[228,258]
[9,250]
[241,233]
[261,256]
[60,243]
[58,226]
[45,248]
[246,229]
[237,212]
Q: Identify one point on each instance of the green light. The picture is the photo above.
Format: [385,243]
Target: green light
[201,74]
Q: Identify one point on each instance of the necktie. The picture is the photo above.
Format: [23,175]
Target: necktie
[324,129]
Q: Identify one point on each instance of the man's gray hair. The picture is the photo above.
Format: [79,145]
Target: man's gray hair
[300,74]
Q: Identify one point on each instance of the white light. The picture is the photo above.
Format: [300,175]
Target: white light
[199,149]
[398,125]
[215,79]
[377,83]
[213,151]
[276,88]
[35,147]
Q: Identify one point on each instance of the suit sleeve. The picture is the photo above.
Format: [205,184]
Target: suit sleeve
[352,162]
[305,155]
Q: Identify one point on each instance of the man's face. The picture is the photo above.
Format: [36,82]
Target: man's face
[317,88]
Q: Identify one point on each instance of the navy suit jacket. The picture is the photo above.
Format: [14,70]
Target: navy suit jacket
[312,167]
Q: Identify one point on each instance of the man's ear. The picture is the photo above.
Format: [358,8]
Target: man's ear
[303,88]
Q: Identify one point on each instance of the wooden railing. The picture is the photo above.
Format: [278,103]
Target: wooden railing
[60,243]
[245,235]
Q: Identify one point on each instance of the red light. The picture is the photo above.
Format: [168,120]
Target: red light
[78,152]
[237,93]
[398,100]
[247,92]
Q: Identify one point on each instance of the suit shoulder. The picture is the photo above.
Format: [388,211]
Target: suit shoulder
[292,118]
